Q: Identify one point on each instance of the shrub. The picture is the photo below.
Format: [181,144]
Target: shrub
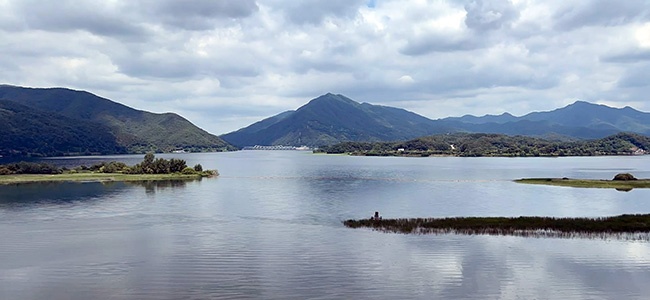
[33,168]
[198,168]
[114,167]
[188,171]
[5,171]
[624,176]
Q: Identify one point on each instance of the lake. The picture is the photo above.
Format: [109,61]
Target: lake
[270,228]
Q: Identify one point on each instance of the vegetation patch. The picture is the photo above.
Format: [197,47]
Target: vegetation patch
[149,169]
[485,144]
[635,227]
[619,184]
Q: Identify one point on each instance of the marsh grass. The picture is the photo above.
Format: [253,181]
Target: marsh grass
[625,185]
[628,227]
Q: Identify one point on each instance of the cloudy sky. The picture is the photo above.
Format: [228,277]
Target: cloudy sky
[224,64]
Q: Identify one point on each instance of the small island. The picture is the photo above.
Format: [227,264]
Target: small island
[150,169]
[636,227]
[622,182]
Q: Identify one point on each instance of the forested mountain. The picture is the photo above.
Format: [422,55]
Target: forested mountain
[331,119]
[598,119]
[137,131]
[25,131]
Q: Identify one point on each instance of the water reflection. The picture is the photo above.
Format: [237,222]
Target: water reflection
[153,186]
[54,193]
[24,195]
[270,228]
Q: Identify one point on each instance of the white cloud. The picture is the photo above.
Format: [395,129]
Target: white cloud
[224,64]
[406,79]
[642,35]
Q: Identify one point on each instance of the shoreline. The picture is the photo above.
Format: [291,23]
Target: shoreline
[424,155]
[94,177]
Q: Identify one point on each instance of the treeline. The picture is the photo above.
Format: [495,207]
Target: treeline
[150,165]
[480,144]
[29,168]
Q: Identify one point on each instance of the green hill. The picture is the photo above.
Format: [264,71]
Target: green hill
[27,132]
[137,131]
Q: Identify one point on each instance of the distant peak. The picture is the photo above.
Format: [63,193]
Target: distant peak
[585,104]
[334,97]
[581,103]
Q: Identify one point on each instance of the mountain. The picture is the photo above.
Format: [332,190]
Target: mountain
[330,119]
[581,120]
[596,116]
[136,130]
[499,119]
[542,128]
[26,131]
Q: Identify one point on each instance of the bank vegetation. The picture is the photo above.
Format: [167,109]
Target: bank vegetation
[151,168]
[485,144]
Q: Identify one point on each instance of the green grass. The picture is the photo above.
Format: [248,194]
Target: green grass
[589,183]
[95,177]
[623,226]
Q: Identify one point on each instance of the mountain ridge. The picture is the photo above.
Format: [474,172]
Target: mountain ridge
[138,131]
[333,118]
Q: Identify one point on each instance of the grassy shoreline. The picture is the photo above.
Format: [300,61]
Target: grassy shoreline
[95,177]
[636,227]
[588,183]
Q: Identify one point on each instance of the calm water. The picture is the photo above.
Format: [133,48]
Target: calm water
[270,227]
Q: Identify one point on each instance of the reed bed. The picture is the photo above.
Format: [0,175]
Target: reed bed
[626,227]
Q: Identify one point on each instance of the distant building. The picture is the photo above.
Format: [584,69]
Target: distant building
[276,147]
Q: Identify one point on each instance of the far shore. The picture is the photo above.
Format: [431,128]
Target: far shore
[94,177]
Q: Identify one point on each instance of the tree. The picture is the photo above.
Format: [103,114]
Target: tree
[198,168]
[177,165]
[147,163]
[160,166]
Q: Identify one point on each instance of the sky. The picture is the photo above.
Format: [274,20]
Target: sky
[227,64]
